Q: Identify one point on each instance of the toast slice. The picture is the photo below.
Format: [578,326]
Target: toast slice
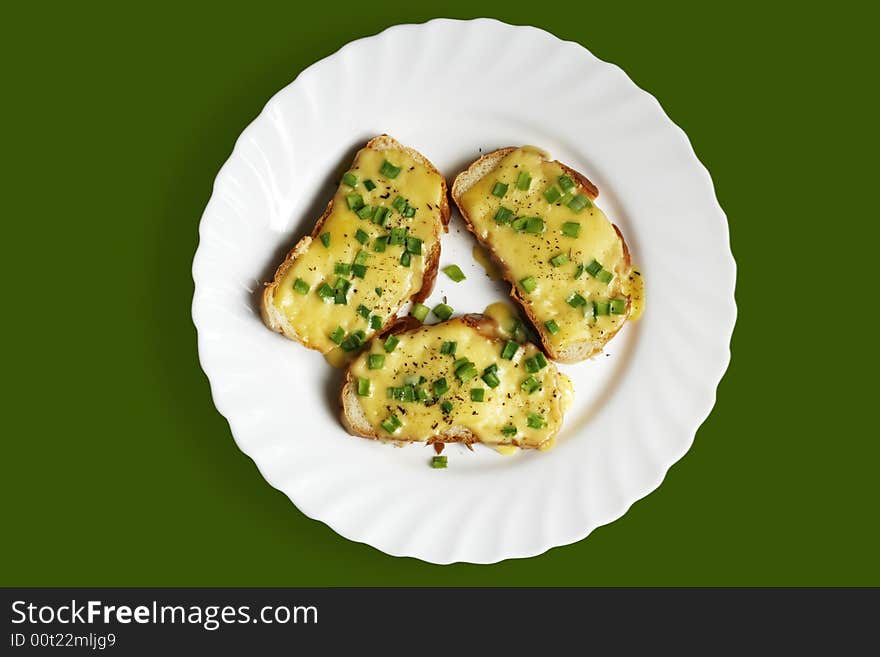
[568,266]
[376,247]
[457,381]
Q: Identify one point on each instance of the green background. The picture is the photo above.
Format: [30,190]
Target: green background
[117,469]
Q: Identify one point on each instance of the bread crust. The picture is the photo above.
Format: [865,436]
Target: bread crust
[356,422]
[277,322]
[467,179]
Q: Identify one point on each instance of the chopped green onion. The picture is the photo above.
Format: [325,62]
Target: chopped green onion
[536,421]
[466,372]
[361,257]
[503,215]
[378,291]
[446,406]
[594,267]
[508,430]
[301,286]
[361,236]
[602,307]
[478,394]
[370,185]
[454,272]
[534,225]
[441,387]
[551,326]
[559,259]
[491,379]
[590,311]
[359,270]
[421,394]
[438,462]
[571,228]
[364,387]
[523,181]
[399,204]
[443,311]
[565,182]
[579,202]
[405,258]
[391,343]
[366,212]
[363,311]
[355,202]
[376,361]
[389,170]
[392,423]
[341,284]
[458,362]
[325,240]
[618,306]
[381,216]
[397,236]
[410,212]
[509,350]
[499,190]
[519,223]
[349,179]
[575,300]
[579,270]
[375,322]
[337,335]
[326,292]
[449,348]
[492,368]
[552,194]
[536,363]
[354,341]
[529,283]
[414,245]
[342,268]
[419,311]
[380,243]
[530,384]
[604,276]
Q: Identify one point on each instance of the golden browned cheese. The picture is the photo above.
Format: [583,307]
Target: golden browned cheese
[568,248]
[386,283]
[507,415]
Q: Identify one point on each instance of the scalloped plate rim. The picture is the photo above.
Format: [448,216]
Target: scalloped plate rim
[574,536]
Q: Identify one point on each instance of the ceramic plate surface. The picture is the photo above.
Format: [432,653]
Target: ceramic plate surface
[451,90]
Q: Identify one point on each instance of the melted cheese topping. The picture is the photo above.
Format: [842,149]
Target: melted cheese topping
[418,356]
[315,318]
[528,255]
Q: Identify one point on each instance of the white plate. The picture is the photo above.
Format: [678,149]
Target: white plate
[450,89]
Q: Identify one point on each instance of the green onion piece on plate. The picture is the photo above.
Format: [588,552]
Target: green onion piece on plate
[419,311]
[454,272]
